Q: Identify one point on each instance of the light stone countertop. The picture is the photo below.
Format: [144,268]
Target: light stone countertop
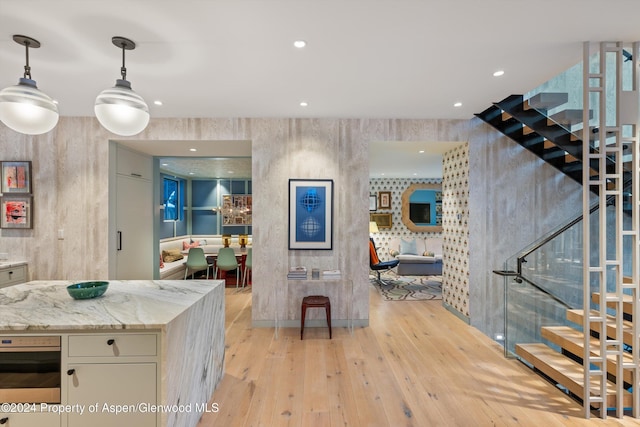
[127,304]
[12,263]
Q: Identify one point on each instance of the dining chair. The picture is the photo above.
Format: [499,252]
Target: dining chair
[196,261]
[247,266]
[226,262]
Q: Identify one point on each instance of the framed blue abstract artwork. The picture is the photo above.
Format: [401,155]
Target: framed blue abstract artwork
[311,214]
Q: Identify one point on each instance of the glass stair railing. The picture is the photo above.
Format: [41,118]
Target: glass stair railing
[541,282]
[551,269]
[543,295]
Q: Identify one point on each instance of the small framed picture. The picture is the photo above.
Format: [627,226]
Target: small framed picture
[385,199]
[373,203]
[383,220]
[17,212]
[16,177]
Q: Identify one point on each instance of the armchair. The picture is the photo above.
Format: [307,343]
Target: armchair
[376,265]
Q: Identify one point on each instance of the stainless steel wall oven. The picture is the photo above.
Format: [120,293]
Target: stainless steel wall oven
[30,369]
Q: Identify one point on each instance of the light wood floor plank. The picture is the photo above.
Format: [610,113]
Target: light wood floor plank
[289,393]
[340,389]
[415,365]
[316,389]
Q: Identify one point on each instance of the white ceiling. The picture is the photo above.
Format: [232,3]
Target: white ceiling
[408,159]
[364,58]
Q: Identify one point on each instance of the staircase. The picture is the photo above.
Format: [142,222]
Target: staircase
[586,353]
[550,137]
[565,368]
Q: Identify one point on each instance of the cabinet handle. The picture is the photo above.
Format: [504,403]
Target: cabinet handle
[111,341]
[71,371]
[137,175]
[10,273]
[4,420]
[119,247]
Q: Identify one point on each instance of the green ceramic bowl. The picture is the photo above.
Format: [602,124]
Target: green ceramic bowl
[86,290]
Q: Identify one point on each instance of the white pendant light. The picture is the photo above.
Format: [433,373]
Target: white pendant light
[119,109]
[23,107]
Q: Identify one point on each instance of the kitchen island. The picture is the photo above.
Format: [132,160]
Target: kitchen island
[146,353]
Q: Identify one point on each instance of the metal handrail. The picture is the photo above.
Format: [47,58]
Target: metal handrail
[521,259]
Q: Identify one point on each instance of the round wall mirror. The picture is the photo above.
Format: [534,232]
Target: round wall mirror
[422,208]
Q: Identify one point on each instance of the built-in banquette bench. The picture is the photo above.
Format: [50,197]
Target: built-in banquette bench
[173,252]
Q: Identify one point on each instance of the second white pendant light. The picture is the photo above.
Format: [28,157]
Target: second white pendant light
[119,109]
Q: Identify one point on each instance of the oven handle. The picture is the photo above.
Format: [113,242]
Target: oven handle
[28,349]
[71,371]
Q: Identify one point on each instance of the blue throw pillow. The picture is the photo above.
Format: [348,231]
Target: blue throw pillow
[408,248]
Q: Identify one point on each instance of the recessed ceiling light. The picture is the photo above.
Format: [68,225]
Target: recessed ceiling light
[192,173]
[192,149]
[299,44]
[157,102]
[421,151]
[229,171]
[304,104]
[498,73]
[165,164]
[458,104]
[415,174]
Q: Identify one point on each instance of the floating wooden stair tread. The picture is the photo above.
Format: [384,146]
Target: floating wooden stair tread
[570,159]
[565,372]
[627,302]
[506,116]
[576,316]
[547,100]
[572,341]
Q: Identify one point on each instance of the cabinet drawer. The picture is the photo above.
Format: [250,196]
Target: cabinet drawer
[13,275]
[112,345]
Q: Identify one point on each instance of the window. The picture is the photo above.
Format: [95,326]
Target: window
[171,197]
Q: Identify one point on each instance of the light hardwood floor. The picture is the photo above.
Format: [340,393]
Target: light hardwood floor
[415,365]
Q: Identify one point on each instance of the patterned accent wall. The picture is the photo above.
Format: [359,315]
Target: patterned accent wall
[396,186]
[455,229]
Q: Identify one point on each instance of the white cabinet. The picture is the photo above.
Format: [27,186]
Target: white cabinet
[134,229]
[131,256]
[113,376]
[12,275]
[134,164]
[123,393]
[40,419]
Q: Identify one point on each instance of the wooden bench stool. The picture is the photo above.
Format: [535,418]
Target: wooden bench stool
[315,301]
